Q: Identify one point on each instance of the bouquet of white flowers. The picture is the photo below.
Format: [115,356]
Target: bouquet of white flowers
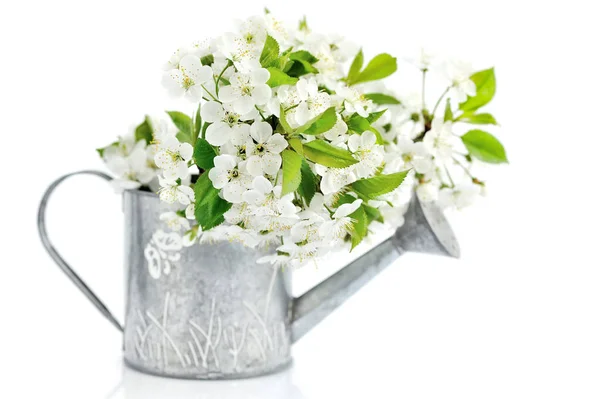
[292,147]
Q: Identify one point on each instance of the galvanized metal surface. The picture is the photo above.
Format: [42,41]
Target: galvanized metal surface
[211,312]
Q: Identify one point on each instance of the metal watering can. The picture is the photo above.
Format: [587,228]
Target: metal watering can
[211,312]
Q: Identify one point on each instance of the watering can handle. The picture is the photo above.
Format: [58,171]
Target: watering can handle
[64,266]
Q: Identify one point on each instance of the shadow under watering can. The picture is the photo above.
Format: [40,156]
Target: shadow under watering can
[135,385]
[211,312]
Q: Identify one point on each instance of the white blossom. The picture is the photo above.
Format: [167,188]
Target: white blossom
[312,101]
[128,160]
[367,152]
[171,192]
[459,73]
[407,154]
[187,78]
[408,118]
[247,90]
[334,179]
[440,141]
[230,175]
[245,46]
[263,150]
[460,196]
[191,236]
[226,124]
[428,191]
[269,210]
[174,221]
[337,228]
[242,121]
[172,157]
[354,101]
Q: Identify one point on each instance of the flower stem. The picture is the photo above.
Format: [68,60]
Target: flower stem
[423,89]
[229,63]
[260,113]
[437,104]
[449,176]
[211,95]
[467,171]
[291,107]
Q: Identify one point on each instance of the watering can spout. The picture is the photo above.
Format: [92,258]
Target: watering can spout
[425,230]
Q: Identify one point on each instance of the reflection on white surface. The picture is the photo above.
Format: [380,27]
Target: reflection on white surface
[136,385]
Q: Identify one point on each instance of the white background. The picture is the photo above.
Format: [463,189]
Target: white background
[517,317]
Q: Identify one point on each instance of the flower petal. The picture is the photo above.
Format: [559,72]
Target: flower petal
[368,139]
[191,66]
[253,197]
[261,132]
[233,192]
[276,143]
[254,165]
[218,177]
[243,104]
[228,94]
[241,134]
[347,209]
[187,191]
[271,163]
[186,151]
[262,185]
[261,94]
[302,114]
[259,76]
[212,111]
[354,142]
[225,162]
[218,133]
[190,211]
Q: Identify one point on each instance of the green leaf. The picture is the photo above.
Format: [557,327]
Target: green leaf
[197,126]
[308,184]
[359,125]
[204,128]
[485,81]
[210,208]
[292,162]
[299,68]
[184,137]
[144,131]
[344,199]
[372,118]
[278,77]
[375,187]
[484,146]
[270,52]
[478,119]
[373,214]
[359,226]
[356,66]
[204,153]
[303,55]
[320,124]
[325,154]
[382,99]
[207,60]
[381,66]
[301,63]
[303,25]
[284,123]
[296,144]
[448,116]
[182,121]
